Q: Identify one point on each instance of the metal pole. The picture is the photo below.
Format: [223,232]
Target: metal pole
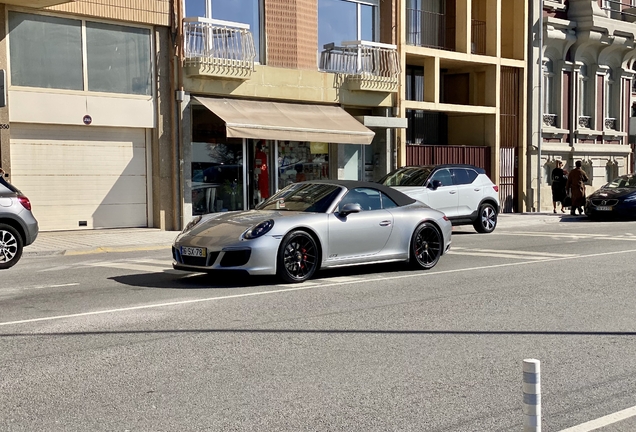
[531,395]
[539,134]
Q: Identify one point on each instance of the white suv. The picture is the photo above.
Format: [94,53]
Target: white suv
[463,192]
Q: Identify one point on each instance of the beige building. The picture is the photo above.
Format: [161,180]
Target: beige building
[463,68]
[84,134]
[277,91]
[582,92]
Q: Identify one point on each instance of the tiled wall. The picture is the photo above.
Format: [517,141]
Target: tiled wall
[292,33]
[155,12]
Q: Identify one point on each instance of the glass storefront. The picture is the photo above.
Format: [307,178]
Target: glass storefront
[229,174]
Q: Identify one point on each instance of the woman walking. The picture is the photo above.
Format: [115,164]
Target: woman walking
[559,178]
[576,185]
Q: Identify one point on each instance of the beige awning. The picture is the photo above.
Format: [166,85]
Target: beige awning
[288,121]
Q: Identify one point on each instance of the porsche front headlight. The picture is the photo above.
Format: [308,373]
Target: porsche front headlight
[259,229]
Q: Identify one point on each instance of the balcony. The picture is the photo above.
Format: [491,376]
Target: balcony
[429,29]
[218,48]
[367,66]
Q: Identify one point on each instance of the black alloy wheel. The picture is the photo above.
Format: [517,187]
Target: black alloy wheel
[10,246]
[486,220]
[426,246]
[297,257]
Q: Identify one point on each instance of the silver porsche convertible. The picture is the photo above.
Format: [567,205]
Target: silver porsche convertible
[312,225]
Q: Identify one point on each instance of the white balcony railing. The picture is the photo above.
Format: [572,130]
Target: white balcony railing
[372,65]
[225,45]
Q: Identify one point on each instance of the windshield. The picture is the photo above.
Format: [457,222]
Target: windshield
[408,176]
[623,182]
[303,197]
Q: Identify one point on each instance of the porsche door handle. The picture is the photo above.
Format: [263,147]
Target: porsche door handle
[452,192]
[385,223]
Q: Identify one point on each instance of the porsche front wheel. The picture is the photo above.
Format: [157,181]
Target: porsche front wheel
[297,257]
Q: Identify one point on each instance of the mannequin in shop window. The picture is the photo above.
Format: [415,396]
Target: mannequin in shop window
[260,163]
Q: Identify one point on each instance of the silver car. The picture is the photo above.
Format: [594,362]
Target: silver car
[18,227]
[312,225]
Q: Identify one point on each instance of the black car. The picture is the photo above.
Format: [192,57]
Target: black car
[615,200]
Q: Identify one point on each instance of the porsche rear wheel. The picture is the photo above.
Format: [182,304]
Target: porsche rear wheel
[10,246]
[426,246]
[298,257]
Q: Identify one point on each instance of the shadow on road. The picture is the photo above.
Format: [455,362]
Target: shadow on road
[228,279]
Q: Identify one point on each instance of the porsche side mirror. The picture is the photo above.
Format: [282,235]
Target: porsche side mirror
[434,184]
[350,208]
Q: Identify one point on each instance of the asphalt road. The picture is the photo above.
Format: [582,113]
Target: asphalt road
[120,342]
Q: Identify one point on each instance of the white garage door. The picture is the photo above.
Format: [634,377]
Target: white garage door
[79,177]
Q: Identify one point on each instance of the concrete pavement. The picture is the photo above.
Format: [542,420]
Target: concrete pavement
[135,239]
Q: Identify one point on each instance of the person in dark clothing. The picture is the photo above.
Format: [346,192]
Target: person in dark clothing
[576,185]
[559,178]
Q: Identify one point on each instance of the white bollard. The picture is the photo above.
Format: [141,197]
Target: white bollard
[531,395]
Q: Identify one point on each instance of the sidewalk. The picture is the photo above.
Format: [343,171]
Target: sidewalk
[140,239]
[100,241]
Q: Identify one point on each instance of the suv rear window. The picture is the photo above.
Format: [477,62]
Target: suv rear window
[462,176]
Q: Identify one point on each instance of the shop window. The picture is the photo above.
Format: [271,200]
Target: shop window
[47,52]
[238,11]
[216,165]
[300,161]
[347,20]
[118,59]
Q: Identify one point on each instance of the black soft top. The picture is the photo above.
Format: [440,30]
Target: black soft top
[398,197]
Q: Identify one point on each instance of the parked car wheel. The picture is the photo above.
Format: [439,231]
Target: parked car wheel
[487,220]
[426,246]
[298,257]
[10,246]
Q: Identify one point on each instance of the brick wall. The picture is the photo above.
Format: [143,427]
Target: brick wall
[292,33]
[155,12]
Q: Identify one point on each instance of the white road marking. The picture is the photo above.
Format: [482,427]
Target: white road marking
[37,287]
[136,267]
[305,287]
[603,421]
[570,236]
[162,262]
[495,255]
[514,252]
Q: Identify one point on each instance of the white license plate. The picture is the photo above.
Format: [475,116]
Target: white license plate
[604,208]
[193,251]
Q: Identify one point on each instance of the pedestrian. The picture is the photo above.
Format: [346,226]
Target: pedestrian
[559,179]
[576,186]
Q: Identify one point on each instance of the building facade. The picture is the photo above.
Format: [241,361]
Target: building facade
[278,91]
[582,75]
[84,134]
[464,73]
